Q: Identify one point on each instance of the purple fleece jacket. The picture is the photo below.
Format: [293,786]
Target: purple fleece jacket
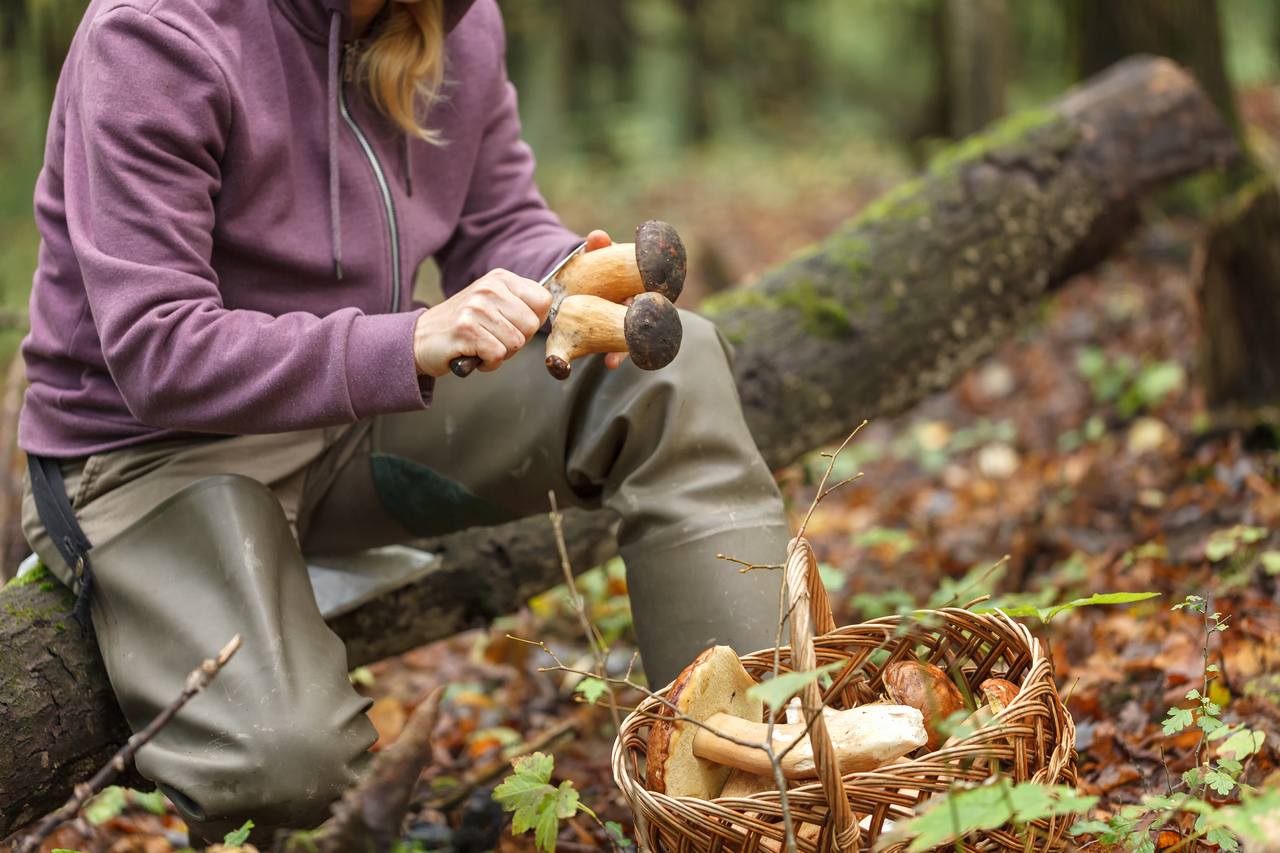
[187,280]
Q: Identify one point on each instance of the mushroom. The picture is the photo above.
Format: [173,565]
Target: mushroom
[927,688]
[715,685]
[1000,693]
[654,263]
[649,330]
[712,691]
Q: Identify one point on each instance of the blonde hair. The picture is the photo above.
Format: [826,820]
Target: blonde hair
[403,69]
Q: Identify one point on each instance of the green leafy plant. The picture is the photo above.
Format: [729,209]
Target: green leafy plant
[1126,383]
[540,806]
[990,806]
[113,801]
[1046,614]
[1226,543]
[873,605]
[896,542]
[603,594]
[1217,825]
[237,837]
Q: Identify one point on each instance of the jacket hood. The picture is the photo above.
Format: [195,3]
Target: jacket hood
[312,17]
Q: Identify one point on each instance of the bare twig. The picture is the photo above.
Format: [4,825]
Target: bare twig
[997,564]
[749,566]
[823,485]
[599,655]
[198,680]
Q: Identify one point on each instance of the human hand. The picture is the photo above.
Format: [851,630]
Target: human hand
[492,318]
[598,240]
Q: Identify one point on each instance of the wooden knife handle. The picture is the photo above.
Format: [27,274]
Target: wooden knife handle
[463,365]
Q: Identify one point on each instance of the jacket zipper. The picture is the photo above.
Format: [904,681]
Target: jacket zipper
[381,176]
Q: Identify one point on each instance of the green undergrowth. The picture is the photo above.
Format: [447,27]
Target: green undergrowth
[36,575]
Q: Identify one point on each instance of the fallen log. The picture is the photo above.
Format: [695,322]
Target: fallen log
[895,305]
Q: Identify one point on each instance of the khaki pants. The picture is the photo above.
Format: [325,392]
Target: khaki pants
[282,732]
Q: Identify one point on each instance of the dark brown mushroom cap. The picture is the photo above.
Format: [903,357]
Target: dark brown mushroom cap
[653,331]
[558,367]
[926,688]
[1000,693]
[661,258]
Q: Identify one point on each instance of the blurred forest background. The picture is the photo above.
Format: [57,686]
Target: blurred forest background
[711,113]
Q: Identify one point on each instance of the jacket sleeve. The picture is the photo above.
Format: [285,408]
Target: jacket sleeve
[505,222]
[147,124]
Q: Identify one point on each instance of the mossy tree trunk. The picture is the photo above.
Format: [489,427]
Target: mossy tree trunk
[894,306]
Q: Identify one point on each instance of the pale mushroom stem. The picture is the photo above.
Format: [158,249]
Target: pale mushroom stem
[864,738]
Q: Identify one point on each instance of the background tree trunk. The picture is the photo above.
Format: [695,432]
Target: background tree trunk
[1238,282]
[894,306]
[972,63]
[1187,31]
[1239,293]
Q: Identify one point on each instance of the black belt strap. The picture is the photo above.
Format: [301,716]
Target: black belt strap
[59,520]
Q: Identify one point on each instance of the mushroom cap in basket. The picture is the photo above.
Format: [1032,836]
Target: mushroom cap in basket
[927,688]
[715,683]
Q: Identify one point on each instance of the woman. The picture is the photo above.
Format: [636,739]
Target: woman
[227,371]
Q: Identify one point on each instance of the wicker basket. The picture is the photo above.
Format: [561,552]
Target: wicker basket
[1033,739]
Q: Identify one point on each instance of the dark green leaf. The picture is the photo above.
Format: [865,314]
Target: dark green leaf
[615,832]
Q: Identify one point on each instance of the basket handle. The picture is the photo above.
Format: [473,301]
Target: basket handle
[809,604]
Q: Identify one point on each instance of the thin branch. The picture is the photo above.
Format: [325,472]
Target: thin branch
[804,524]
[749,566]
[198,680]
[997,564]
[846,481]
[599,654]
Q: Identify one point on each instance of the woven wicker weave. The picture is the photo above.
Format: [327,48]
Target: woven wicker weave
[1033,739]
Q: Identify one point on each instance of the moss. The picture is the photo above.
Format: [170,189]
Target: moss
[820,316]
[47,586]
[39,573]
[1007,131]
[905,201]
[742,298]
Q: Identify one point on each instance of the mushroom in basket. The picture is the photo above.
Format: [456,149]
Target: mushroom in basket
[688,760]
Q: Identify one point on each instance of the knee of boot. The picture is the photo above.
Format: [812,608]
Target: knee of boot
[279,779]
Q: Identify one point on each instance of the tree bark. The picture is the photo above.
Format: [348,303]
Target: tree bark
[895,305]
[1238,281]
[1187,31]
[971,63]
[1239,297]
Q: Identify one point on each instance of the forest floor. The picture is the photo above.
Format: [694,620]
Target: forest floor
[1082,450]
